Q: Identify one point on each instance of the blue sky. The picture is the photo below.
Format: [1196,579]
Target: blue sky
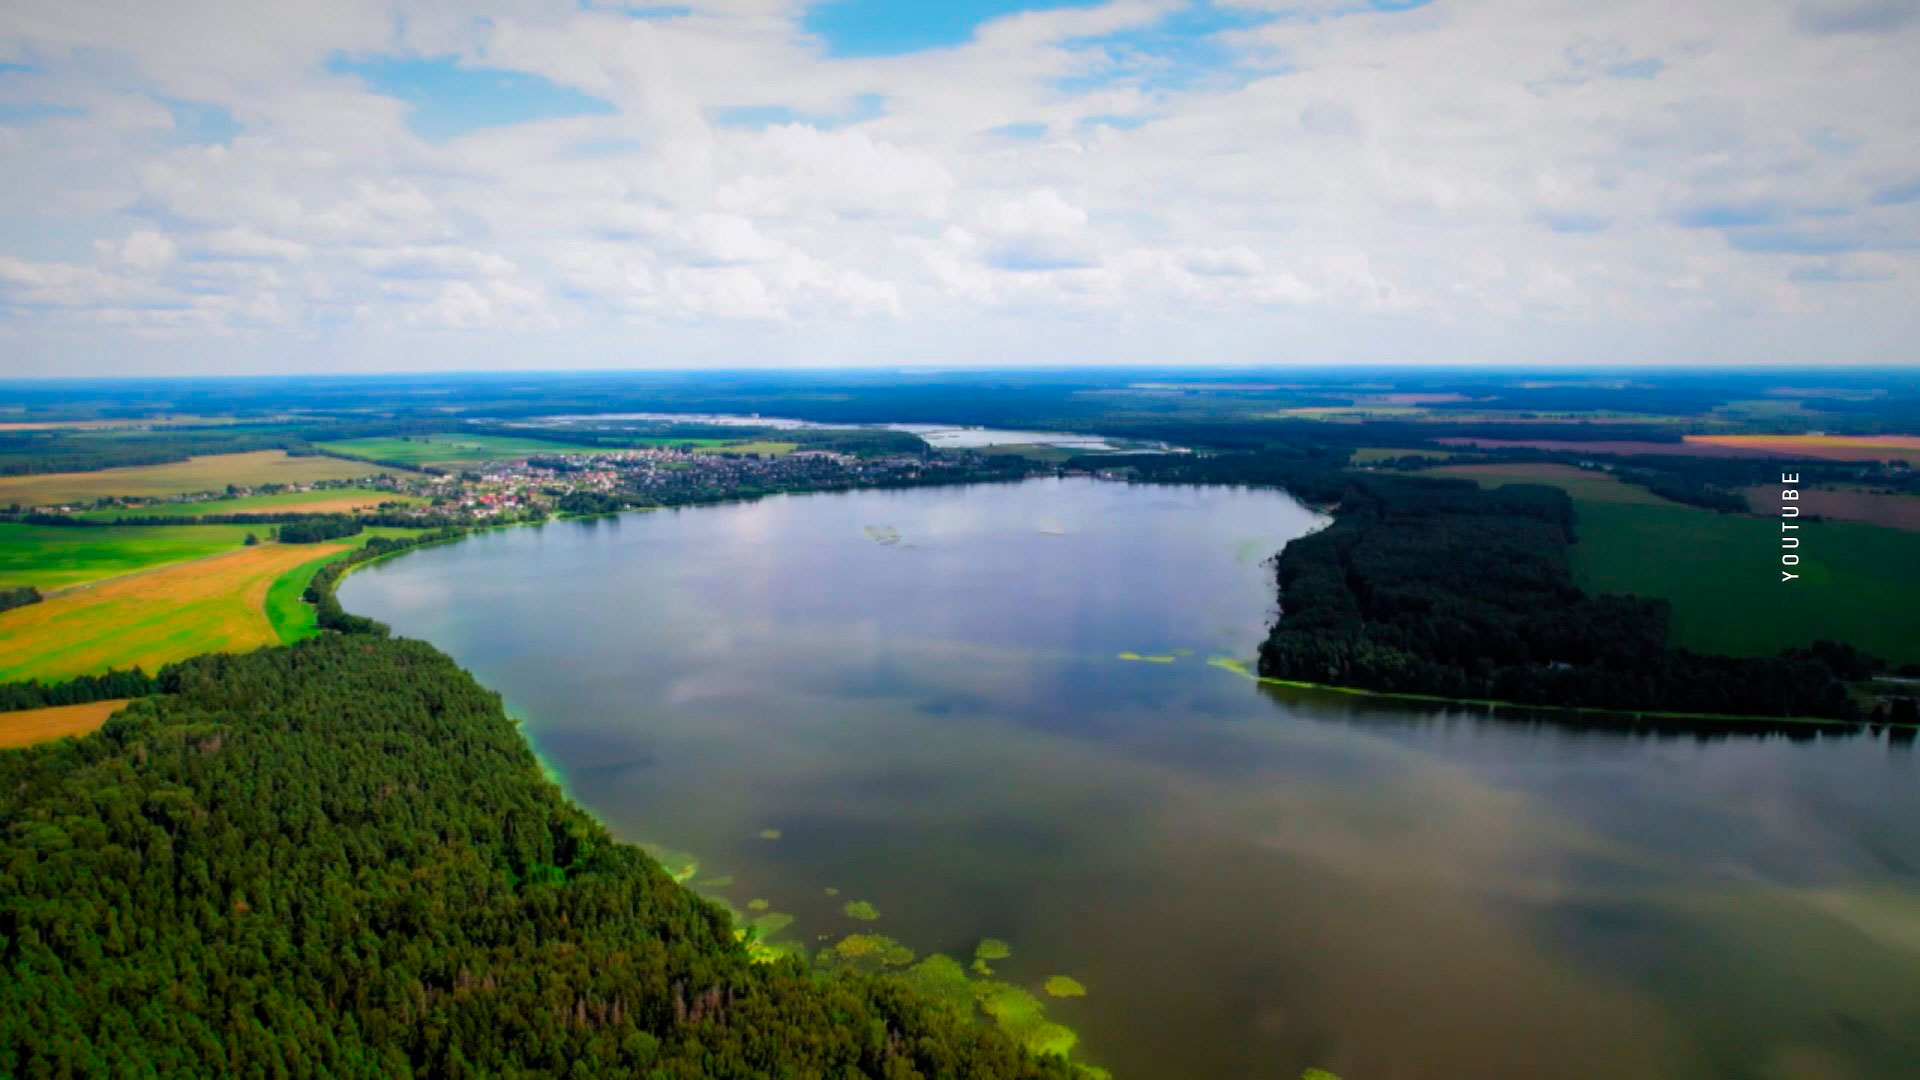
[389,184]
[448,99]
[889,28]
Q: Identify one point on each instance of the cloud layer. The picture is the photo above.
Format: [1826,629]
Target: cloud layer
[358,185]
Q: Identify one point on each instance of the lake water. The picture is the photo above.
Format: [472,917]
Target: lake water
[922,693]
[938,436]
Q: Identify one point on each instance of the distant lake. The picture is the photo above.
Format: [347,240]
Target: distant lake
[939,436]
[922,693]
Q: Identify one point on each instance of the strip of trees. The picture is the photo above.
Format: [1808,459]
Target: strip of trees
[18,596]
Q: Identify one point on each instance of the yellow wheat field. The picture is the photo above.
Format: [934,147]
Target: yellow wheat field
[29,726]
[216,604]
[211,473]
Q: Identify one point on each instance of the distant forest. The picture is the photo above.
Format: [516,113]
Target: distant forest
[1428,585]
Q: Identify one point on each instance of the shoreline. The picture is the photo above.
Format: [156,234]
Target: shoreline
[1550,713]
[1553,711]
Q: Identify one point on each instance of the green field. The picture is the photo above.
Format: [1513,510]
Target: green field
[763,447]
[451,449]
[1582,484]
[236,599]
[209,473]
[292,617]
[54,557]
[1367,455]
[1859,583]
[149,620]
[326,501]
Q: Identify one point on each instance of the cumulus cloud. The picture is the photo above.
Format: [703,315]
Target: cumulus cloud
[1328,180]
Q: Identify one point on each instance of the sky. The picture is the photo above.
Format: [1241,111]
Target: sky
[207,186]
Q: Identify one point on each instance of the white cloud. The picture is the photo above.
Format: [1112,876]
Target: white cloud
[1509,180]
[146,252]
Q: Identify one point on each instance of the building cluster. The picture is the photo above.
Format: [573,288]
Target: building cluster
[504,490]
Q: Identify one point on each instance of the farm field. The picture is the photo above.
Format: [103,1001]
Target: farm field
[1826,447]
[1890,511]
[124,425]
[451,449]
[1617,446]
[330,501]
[1582,484]
[1052,455]
[55,557]
[152,619]
[210,473]
[1859,583]
[1367,455]
[28,726]
[765,448]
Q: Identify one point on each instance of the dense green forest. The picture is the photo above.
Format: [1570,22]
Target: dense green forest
[340,859]
[18,596]
[34,694]
[313,530]
[1431,586]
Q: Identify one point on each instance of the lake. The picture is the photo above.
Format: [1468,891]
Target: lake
[938,436]
[919,699]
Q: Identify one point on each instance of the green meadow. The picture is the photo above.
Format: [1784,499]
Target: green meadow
[449,449]
[1583,485]
[1858,583]
[324,501]
[292,617]
[1367,455]
[54,556]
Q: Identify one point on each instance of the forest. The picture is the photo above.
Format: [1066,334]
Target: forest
[314,530]
[1436,586]
[341,859]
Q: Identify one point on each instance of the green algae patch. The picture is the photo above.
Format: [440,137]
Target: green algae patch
[769,834]
[679,865]
[1228,663]
[1318,1074]
[1061,986]
[831,891]
[765,926]
[861,909]
[759,904]
[1157,658]
[941,978]
[1021,1016]
[865,952]
[1014,1010]
[767,952]
[1010,1006]
[1051,1038]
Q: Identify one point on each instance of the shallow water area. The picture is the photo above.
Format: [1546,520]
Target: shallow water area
[1011,712]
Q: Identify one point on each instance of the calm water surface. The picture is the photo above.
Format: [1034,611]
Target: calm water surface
[922,692]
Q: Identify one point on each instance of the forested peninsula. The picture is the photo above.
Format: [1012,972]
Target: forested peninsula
[341,859]
[1438,587]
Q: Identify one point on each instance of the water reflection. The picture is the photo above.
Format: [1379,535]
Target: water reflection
[1248,879]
